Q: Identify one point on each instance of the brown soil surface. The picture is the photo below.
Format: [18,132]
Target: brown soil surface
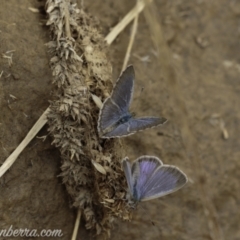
[203,38]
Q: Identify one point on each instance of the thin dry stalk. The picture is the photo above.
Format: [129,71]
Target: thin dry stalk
[76,226]
[134,31]
[189,140]
[31,134]
[42,120]
[67,24]
[126,20]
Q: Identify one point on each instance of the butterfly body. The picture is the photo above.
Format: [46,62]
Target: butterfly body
[136,197]
[115,120]
[148,178]
[124,119]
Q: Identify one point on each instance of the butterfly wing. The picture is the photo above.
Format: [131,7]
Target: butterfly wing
[165,179]
[123,91]
[116,106]
[119,131]
[139,124]
[142,170]
[128,173]
[135,125]
[109,115]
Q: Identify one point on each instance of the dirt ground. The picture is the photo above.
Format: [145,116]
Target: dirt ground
[204,40]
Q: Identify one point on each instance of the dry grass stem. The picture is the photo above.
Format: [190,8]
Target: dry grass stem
[67,26]
[31,134]
[125,21]
[76,226]
[133,34]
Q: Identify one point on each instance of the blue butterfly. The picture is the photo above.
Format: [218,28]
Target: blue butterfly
[115,120]
[148,178]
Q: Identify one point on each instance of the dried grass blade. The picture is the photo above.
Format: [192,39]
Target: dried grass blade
[31,134]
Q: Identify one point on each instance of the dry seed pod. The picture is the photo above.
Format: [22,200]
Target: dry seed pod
[80,70]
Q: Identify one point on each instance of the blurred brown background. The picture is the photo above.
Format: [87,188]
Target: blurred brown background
[203,38]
